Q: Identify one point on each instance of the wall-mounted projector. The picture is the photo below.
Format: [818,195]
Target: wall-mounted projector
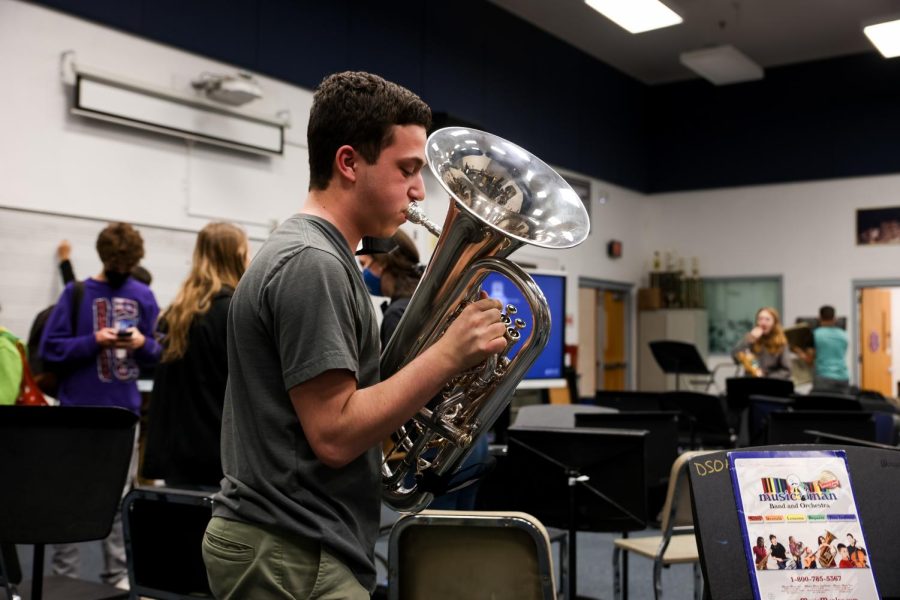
[234,90]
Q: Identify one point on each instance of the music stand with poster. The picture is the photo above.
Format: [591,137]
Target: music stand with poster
[876,478]
[680,358]
[581,479]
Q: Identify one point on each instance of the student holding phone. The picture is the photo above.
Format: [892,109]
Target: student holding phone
[99,348]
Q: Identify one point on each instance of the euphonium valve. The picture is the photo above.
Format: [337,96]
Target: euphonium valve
[501,197]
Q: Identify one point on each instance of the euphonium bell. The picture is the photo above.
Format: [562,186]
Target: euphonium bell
[501,197]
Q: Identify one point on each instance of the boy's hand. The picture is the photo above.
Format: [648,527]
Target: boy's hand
[106,337]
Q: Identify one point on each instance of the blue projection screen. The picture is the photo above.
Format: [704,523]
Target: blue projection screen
[549,364]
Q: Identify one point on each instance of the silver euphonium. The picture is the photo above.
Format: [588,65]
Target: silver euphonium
[501,197]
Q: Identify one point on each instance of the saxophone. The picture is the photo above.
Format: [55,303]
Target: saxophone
[501,197]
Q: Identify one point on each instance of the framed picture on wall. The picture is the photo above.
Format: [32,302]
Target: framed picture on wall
[877,226]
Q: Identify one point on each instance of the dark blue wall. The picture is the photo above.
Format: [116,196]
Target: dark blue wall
[819,120]
[477,63]
[468,59]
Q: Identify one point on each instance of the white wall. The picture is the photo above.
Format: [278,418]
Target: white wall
[29,270]
[805,232]
[66,176]
[60,163]
[58,166]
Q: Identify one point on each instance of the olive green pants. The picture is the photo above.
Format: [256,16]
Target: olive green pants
[247,561]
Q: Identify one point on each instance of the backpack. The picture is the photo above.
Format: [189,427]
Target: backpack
[28,393]
[47,374]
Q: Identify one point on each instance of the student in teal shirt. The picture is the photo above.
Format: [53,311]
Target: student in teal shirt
[828,355]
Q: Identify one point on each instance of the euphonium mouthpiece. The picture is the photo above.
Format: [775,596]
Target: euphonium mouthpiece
[415,215]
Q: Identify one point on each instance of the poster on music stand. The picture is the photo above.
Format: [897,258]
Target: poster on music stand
[803,537]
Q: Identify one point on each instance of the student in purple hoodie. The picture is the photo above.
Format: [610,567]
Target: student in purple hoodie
[99,348]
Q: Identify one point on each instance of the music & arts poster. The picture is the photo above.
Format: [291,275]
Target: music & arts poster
[803,537]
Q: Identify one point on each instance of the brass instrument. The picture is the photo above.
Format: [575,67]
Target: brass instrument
[826,554]
[750,363]
[501,197]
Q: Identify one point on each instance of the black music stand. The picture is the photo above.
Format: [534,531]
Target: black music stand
[720,541]
[63,469]
[741,410]
[628,400]
[791,427]
[704,417]
[661,447]
[738,390]
[558,475]
[826,401]
[679,358]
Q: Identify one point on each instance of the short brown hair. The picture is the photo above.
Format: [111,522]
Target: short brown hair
[357,109]
[120,247]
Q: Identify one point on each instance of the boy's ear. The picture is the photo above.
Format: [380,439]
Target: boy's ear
[345,161]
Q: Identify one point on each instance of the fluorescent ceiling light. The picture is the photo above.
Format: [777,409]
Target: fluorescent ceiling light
[886,37]
[636,16]
[722,65]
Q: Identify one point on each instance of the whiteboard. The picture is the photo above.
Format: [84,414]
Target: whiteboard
[66,164]
[246,189]
[30,273]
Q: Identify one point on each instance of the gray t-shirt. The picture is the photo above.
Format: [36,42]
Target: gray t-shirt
[300,309]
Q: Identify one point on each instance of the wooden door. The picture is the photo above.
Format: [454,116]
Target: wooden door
[587,342]
[875,340]
[614,360]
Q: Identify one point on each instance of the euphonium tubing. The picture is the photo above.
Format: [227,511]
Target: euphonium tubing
[501,197]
